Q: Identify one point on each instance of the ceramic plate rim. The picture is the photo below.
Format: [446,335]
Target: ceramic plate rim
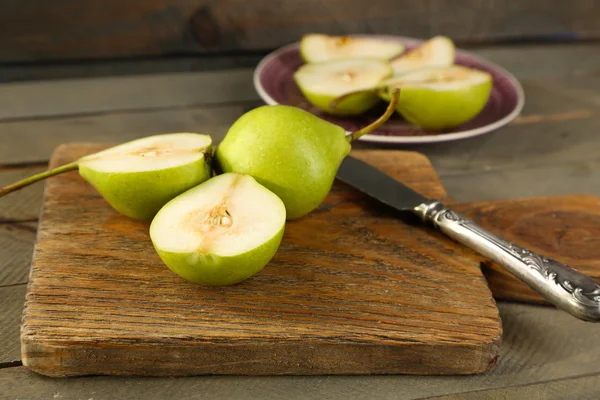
[445,137]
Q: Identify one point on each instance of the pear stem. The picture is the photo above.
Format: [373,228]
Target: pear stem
[379,121]
[38,177]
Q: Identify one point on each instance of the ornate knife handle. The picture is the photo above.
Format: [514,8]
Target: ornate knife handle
[563,286]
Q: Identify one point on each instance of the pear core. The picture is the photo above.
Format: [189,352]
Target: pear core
[227,215]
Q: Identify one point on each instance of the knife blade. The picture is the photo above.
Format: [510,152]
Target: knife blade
[560,284]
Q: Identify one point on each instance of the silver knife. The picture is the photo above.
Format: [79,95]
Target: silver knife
[563,286]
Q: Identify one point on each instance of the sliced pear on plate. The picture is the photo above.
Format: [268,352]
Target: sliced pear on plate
[439,51]
[220,232]
[319,47]
[342,87]
[137,178]
[441,97]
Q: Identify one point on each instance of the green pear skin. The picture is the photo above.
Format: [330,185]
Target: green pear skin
[439,110]
[288,150]
[355,104]
[213,270]
[152,189]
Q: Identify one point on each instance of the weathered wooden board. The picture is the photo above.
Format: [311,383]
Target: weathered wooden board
[541,345]
[580,388]
[106,94]
[566,228]
[23,205]
[11,299]
[16,248]
[111,28]
[33,140]
[527,61]
[371,294]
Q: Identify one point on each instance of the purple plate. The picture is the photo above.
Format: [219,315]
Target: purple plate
[273,80]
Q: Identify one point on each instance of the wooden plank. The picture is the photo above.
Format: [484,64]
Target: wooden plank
[404,299]
[24,204]
[581,388]
[130,92]
[144,92]
[11,298]
[16,249]
[526,61]
[34,141]
[541,61]
[519,182]
[21,72]
[541,345]
[167,27]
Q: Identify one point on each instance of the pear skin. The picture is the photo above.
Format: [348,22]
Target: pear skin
[288,150]
[152,189]
[440,98]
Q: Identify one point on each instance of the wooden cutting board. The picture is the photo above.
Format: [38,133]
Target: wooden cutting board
[353,289]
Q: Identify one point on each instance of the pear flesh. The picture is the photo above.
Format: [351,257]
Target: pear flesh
[440,98]
[137,178]
[438,51]
[349,82]
[320,47]
[220,232]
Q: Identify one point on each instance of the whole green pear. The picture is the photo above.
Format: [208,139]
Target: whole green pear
[290,151]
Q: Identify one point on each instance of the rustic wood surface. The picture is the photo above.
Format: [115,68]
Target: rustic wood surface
[371,295]
[552,149]
[566,228]
[112,28]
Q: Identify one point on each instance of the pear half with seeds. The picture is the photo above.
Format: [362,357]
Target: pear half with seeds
[221,232]
[137,178]
[440,98]
[438,51]
[342,87]
[316,47]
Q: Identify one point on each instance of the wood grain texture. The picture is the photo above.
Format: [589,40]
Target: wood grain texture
[106,94]
[16,249]
[25,204]
[566,228]
[11,299]
[34,140]
[109,29]
[541,345]
[581,388]
[540,60]
[372,295]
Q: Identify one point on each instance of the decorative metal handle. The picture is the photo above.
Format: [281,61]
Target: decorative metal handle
[563,286]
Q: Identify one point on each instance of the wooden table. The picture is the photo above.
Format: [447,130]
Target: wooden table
[552,149]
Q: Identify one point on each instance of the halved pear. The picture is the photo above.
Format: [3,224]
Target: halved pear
[138,177]
[442,97]
[351,83]
[221,232]
[316,47]
[439,51]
